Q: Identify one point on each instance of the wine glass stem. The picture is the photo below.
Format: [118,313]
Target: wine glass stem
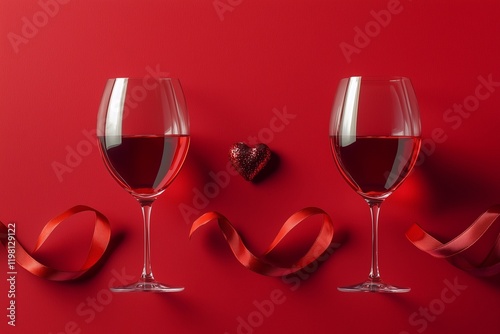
[147,272]
[374,210]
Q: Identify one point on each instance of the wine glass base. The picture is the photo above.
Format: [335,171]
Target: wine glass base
[373,286]
[146,287]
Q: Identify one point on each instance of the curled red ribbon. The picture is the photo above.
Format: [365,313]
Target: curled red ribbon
[98,245]
[260,265]
[452,250]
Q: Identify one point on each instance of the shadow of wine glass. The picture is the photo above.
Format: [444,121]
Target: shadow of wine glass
[462,191]
[456,187]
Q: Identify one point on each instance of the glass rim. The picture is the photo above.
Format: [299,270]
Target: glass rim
[378,78]
[144,77]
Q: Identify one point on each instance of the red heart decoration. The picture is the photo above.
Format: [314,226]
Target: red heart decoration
[249,161]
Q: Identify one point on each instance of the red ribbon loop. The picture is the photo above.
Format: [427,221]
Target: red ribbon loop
[452,250]
[98,245]
[261,266]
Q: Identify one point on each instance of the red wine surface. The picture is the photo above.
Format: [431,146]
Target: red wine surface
[376,166]
[144,165]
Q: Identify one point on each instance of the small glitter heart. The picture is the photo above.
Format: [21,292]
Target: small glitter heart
[249,161]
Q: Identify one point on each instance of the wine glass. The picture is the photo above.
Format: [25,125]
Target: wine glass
[143,136]
[375,141]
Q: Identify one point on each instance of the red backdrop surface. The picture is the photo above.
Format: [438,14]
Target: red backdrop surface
[249,68]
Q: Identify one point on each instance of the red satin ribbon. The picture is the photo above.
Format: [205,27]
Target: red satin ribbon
[99,243]
[452,250]
[260,265]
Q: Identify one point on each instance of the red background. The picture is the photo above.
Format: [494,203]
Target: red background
[237,66]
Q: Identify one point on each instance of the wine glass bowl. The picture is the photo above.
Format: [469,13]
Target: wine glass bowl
[375,141]
[143,137]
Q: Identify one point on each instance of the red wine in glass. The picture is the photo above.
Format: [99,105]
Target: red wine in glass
[143,135]
[375,141]
[144,165]
[376,166]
